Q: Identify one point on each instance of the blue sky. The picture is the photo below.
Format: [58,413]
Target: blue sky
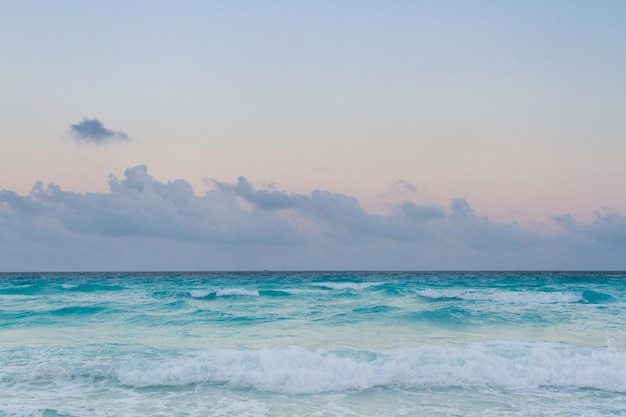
[313,135]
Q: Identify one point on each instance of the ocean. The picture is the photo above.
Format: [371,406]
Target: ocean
[313,344]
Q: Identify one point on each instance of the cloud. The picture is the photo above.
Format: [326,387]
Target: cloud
[144,223]
[341,218]
[140,206]
[399,189]
[93,131]
[405,186]
[421,213]
[607,228]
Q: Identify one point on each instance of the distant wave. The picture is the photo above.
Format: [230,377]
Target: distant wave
[236,291]
[509,297]
[347,285]
[224,293]
[76,310]
[91,287]
[512,366]
[594,297]
[21,290]
[276,293]
[69,286]
[200,293]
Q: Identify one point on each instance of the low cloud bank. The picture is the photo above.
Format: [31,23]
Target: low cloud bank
[143,223]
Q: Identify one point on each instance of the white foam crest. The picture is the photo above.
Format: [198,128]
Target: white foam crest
[347,285]
[69,286]
[298,371]
[199,293]
[508,297]
[236,291]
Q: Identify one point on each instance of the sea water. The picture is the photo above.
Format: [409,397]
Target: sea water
[313,344]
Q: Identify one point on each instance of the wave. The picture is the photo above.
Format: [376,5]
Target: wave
[276,293]
[200,293]
[236,291]
[594,297]
[347,285]
[507,366]
[375,309]
[504,297]
[76,311]
[226,292]
[21,290]
[88,287]
[23,317]
[69,286]
[448,317]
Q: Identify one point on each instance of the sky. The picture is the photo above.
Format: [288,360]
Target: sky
[234,135]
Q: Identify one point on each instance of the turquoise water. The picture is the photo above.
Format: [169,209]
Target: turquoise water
[313,344]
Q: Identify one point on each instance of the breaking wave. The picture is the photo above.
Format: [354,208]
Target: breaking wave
[508,366]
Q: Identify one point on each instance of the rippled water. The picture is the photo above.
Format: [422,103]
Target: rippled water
[313,344]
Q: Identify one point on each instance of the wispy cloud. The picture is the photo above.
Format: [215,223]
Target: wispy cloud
[145,223]
[93,131]
[402,185]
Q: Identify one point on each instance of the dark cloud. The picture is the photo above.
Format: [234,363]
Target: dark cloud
[93,131]
[143,223]
[333,214]
[265,199]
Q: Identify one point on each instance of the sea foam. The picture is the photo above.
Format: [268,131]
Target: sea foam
[236,291]
[506,366]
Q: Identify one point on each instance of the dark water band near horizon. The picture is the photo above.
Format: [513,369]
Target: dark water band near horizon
[313,344]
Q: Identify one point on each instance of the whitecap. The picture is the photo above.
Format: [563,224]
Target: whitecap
[69,286]
[199,293]
[236,291]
